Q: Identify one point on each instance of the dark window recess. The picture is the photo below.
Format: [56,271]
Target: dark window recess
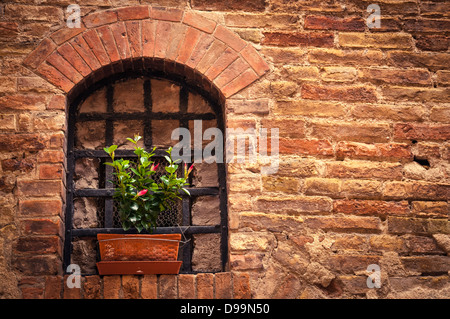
[152,106]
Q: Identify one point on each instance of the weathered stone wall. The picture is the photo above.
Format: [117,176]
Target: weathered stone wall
[363,118]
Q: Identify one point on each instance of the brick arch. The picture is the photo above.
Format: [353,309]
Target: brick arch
[115,40]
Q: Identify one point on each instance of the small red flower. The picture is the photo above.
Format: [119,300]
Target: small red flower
[154,167]
[142,192]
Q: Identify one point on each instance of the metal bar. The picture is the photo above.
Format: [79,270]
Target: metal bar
[187,230]
[140,115]
[109,139]
[109,192]
[148,104]
[118,153]
[70,188]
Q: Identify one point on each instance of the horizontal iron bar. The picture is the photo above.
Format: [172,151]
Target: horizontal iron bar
[109,192]
[118,153]
[142,115]
[188,230]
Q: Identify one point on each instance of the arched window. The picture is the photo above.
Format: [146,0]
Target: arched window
[151,105]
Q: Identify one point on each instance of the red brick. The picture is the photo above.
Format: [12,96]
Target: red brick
[30,208]
[167,14]
[239,83]
[371,207]
[223,285]
[92,39]
[352,264]
[288,128]
[120,36]
[42,226]
[167,287]
[83,49]
[249,5]
[413,131]
[427,264]
[39,245]
[351,131]
[187,286]
[62,35]
[230,38]
[345,224]
[133,13]
[214,52]
[204,43]
[19,142]
[149,289]
[38,265]
[241,286]
[418,77]
[383,151]
[57,102]
[188,44]
[69,54]
[148,38]
[9,30]
[100,18]
[17,164]
[335,23]
[92,287]
[255,60]
[428,25]
[134,38]
[341,93]
[227,57]
[130,287]
[53,287]
[431,60]
[111,287]
[306,147]
[64,67]
[35,58]
[107,38]
[205,286]
[199,22]
[32,292]
[50,171]
[39,188]
[364,169]
[55,77]
[176,36]
[163,30]
[314,39]
[236,68]
[432,42]
[23,102]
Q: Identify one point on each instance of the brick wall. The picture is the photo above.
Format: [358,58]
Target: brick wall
[224,285]
[364,127]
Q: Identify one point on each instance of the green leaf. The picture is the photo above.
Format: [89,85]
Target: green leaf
[131,140]
[186,191]
[134,206]
[135,171]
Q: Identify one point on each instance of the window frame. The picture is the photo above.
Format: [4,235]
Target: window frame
[183,116]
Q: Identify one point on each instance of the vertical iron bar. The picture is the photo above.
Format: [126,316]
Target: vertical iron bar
[70,188]
[109,139]
[148,104]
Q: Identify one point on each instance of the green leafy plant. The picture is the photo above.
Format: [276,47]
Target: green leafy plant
[140,195]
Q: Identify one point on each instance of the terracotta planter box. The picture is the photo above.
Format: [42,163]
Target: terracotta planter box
[138,254]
